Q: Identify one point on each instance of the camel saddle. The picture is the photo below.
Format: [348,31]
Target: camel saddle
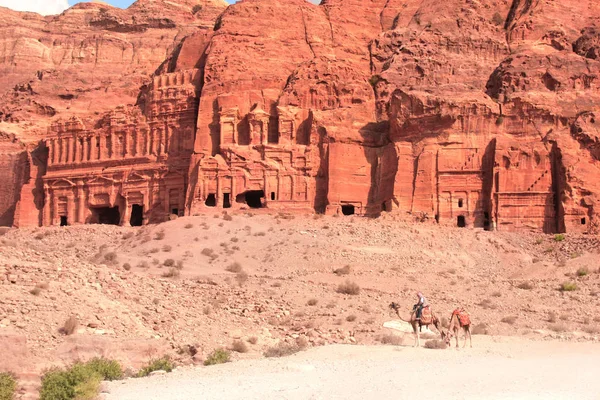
[426,316]
[463,317]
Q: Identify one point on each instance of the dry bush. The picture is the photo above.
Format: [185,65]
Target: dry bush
[497,294]
[253,340]
[206,310]
[480,329]
[283,349]
[348,287]
[241,278]
[227,217]
[568,287]
[69,326]
[234,239]
[154,250]
[155,261]
[435,344]
[525,285]
[487,304]
[127,266]
[111,257]
[207,252]
[552,317]
[260,234]
[330,305]
[509,320]
[312,302]
[235,267]
[171,273]
[128,235]
[276,284]
[558,327]
[143,264]
[583,271]
[395,340]
[351,318]
[343,271]
[189,226]
[179,265]
[166,248]
[592,330]
[160,235]
[169,262]
[239,347]
[35,291]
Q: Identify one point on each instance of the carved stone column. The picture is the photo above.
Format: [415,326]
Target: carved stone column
[112,146]
[80,202]
[85,156]
[50,145]
[46,216]
[102,152]
[93,148]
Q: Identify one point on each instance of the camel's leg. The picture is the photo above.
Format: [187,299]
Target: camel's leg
[465,334]
[456,337]
[417,338]
[470,337]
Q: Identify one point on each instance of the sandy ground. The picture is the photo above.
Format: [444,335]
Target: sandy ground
[496,368]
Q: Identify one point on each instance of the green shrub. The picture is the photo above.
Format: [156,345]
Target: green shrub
[583,271]
[81,381]
[559,237]
[160,364]
[8,385]
[219,356]
[568,286]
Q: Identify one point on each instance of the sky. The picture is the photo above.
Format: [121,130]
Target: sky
[48,7]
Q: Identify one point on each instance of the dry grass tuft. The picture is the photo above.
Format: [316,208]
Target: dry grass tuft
[166,248]
[236,267]
[239,347]
[283,349]
[568,287]
[559,327]
[69,326]
[253,340]
[583,271]
[525,286]
[111,257]
[189,226]
[312,302]
[394,340]
[351,318]
[35,291]
[171,273]
[127,267]
[509,320]
[435,344]
[160,235]
[343,271]
[480,329]
[241,278]
[169,262]
[348,287]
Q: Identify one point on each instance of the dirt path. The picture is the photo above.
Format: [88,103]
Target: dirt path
[497,368]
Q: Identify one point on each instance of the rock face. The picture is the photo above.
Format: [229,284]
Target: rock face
[477,114]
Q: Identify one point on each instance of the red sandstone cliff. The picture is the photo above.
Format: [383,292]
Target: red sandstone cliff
[476,114]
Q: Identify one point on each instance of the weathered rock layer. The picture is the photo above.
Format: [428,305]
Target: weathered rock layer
[476,114]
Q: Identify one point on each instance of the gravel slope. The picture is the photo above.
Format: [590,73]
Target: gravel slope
[497,368]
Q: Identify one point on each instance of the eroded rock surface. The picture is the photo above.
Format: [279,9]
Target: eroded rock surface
[473,114]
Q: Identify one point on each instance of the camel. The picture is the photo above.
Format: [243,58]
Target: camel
[417,324]
[455,325]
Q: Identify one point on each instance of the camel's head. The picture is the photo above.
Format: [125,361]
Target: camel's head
[447,337]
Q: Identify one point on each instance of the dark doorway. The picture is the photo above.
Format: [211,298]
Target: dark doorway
[460,203]
[253,198]
[582,221]
[137,215]
[175,211]
[63,220]
[383,207]
[107,215]
[272,195]
[348,209]
[226,200]
[487,224]
[211,200]
[461,221]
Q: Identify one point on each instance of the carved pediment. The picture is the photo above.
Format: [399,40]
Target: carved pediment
[101,180]
[62,183]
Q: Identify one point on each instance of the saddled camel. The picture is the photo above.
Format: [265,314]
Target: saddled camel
[459,319]
[417,324]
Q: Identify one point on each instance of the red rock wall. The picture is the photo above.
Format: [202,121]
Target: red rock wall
[478,114]
[13,168]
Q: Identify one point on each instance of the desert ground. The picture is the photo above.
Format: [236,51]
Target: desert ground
[188,286]
[497,368]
